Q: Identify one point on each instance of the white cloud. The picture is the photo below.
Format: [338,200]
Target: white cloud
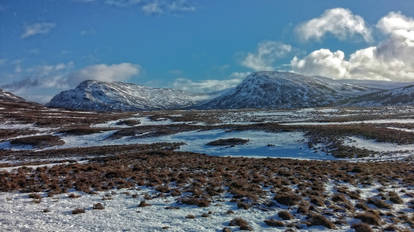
[123,3]
[86,32]
[103,72]
[180,5]
[340,22]
[395,23]
[86,1]
[322,62]
[391,59]
[37,29]
[152,7]
[209,86]
[267,53]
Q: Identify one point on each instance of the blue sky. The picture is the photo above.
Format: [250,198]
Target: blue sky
[50,45]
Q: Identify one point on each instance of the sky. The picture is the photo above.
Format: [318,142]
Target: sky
[47,46]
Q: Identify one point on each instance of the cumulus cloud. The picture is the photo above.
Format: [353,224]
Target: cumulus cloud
[209,86]
[340,22]
[37,29]
[322,62]
[266,54]
[396,23]
[390,59]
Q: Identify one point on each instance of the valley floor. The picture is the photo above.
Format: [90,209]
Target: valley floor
[272,170]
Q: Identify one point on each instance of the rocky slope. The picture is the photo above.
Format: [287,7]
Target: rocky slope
[118,96]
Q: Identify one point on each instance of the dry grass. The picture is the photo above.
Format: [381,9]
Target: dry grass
[285,215]
[78,211]
[274,223]
[379,203]
[362,227]
[369,218]
[98,206]
[319,220]
[240,222]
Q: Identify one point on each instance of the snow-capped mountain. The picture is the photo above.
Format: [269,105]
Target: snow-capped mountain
[286,90]
[9,96]
[259,90]
[118,96]
[394,97]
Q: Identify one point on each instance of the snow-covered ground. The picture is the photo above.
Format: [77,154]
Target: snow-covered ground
[143,121]
[19,213]
[262,144]
[121,213]
[372,145]
[379,121]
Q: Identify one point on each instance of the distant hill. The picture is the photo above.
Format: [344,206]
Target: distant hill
[9,96]
[118,96]
[393,97]
[274,90]
[286,90]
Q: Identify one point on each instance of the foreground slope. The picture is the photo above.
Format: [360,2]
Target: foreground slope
[118,96]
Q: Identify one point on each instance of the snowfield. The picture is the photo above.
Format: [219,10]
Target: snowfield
[122,213]
[281,152]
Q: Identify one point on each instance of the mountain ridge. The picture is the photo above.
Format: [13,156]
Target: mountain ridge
[119,96]
[267,89]
[286,90]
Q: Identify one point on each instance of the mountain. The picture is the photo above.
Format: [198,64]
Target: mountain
[393,97]
[118,96]
[275,90]
[9,96]
[287,90]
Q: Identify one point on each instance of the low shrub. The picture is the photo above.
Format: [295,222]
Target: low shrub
[379,203]
[288,198]
[240,222]
[78,211]
[285,215]
[361,227]
[369,218]
[98,206]
[274,223]
[320,220]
